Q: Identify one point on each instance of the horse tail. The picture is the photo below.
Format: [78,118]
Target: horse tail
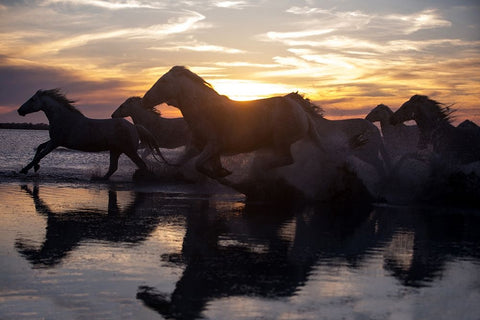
[149,140]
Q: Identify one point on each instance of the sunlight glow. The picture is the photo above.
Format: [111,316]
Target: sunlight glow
[242,90]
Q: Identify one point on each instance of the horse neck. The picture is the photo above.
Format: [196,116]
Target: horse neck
[198,96]
[144,117]
[59,115]
[428,123]
[385,122]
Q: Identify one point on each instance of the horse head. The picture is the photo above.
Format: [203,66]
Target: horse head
[425,112]
[167,89]
[409,110]
[48,101]
[125,109]
[33,104]
[379,113]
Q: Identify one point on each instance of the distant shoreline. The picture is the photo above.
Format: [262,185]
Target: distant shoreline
[25,126]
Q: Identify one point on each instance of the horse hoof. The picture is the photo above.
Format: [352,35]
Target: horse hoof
[24,171]
[222,173]
[36,167]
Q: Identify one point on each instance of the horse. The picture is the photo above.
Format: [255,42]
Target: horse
[170,133]
[71,129]
[364,139]
[398,139]
[455,144]
[221,126]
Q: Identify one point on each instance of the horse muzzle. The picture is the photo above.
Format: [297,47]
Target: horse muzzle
[21,112]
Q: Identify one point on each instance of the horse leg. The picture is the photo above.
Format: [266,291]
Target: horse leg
[190,152]
[114,155]
[283,157]
[42,150]
[210,155]
[137,160]
[36,166]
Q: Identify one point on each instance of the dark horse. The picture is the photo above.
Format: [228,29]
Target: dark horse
[169,133]
[221,126]
[456,144]
[71,129]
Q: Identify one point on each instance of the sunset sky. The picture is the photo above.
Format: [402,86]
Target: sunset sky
[348,56]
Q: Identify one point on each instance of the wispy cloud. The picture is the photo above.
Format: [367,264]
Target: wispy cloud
[173,26]
[244,64]
[272,35]
[231,4]
[348,21]
[113,5]
[196,46]
[427,19]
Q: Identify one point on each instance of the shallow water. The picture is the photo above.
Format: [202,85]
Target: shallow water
[73,249]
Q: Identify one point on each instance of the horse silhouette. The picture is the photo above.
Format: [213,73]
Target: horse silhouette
[398,139]
[364,139]
[459,145]
[221,126]
[169,133]
[71,129]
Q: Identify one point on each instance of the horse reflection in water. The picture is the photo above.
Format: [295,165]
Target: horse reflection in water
[255,253]
[65,230]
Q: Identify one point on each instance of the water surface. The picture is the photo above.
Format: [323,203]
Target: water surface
[74,249]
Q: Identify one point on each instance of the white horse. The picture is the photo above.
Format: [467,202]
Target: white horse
[398,139]
[71,129]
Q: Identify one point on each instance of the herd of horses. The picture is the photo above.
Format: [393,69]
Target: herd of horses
[213,126]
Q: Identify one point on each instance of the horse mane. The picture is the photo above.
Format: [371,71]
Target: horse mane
[445,112]
[182,70]
[307,104]
[60,97]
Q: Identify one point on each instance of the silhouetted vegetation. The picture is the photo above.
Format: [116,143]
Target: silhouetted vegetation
[25,126]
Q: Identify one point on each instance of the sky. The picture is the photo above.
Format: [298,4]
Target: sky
[347,56]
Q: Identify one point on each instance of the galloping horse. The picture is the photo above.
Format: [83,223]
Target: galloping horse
[398,139]
[455,144]
[363,137]
[71,129]
[221,126]
[170,133]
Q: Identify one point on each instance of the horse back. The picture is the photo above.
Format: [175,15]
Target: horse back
[243,126]
[103,134]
